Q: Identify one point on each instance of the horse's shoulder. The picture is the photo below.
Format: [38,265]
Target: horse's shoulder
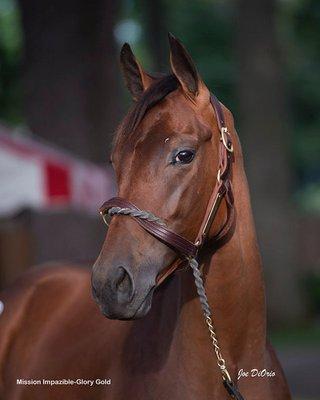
[50,273]
[36,299]
[45,286]
[57,271]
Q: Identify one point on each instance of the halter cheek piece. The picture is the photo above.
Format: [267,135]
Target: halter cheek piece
[186,249]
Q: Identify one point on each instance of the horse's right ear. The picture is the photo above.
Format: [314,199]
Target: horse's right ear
[137,80]
[185,71]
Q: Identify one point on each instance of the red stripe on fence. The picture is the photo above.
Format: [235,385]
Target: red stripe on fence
[57,183]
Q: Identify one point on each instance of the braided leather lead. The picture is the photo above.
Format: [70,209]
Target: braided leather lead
[200,287]
[135,213]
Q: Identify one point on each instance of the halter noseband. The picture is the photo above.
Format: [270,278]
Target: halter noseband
[186,249]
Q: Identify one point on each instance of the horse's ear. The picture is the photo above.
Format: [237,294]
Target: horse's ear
[184,69]
[137,80]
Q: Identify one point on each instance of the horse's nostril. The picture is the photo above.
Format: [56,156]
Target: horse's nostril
[123,279]
[124,284]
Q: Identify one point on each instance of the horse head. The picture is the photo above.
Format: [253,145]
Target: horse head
[165,158]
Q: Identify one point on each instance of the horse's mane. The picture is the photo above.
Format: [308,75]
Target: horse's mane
[155,93]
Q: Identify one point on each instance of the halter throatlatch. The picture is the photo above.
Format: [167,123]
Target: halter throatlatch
[186,249]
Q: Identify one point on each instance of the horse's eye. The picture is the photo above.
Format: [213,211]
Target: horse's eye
[184,157]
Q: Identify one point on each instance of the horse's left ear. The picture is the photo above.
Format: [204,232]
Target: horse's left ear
[137,80]
[185,71]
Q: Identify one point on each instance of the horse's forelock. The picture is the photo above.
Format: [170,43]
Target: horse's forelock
[153,95]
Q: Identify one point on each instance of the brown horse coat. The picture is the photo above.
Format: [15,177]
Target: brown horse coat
[52,329]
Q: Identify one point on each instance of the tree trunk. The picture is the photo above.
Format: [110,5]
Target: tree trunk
[72,96]
[264,133]
[156,29]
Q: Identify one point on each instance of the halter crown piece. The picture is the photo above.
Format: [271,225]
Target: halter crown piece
[186,249]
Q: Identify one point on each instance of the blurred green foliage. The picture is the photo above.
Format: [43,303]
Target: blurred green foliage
[299,34]
[308,335]
[207,28]
[10,59]
[312,287]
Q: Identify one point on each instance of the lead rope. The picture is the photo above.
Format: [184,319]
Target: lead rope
[193,263]
[227,381]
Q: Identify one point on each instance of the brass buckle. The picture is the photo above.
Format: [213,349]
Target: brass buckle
[228,145]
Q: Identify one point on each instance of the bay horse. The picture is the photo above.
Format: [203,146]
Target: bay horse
[154,343]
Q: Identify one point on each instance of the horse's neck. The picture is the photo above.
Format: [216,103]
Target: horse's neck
[235,290]
[234,286]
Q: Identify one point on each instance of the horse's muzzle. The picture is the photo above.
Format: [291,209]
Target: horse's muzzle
[117,295]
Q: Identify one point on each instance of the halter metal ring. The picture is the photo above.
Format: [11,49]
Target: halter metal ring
[103,215]
[227,144]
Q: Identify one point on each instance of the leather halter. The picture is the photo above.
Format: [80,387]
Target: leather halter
[222,189]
